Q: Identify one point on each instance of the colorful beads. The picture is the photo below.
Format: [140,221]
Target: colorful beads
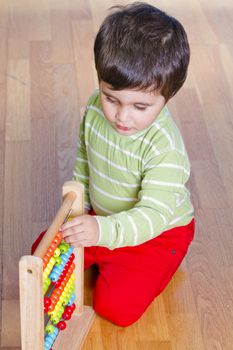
[50,251]
[50,336]
[58,269]
[59,287]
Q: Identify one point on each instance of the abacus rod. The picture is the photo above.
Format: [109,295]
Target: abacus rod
[57,222]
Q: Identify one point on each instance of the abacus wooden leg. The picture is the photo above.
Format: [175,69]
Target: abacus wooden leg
[31,303]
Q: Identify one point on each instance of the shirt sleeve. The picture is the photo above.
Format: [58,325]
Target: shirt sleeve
[162,189]
[81,170]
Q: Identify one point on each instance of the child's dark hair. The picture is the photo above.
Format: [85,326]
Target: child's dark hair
[140,47]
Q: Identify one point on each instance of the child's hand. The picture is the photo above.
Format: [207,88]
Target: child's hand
[81,231]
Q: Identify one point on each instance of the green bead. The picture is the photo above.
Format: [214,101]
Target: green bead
[58,260]
[49,328]
[66,300]
[62,309]
[55,319]
[63,247]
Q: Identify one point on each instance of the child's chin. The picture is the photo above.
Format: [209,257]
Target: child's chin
[130,132]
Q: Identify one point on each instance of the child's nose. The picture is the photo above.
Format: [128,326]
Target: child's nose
[122,115]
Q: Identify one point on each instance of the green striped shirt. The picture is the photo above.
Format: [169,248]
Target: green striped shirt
[136,183]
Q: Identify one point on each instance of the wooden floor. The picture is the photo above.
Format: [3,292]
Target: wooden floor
[46,75]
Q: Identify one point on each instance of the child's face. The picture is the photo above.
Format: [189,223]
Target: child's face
[129,111]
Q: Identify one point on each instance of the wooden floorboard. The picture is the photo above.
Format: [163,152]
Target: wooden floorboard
[46,76]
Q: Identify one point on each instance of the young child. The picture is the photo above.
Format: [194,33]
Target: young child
[133,163]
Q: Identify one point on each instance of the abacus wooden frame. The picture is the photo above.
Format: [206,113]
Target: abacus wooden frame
[31,285]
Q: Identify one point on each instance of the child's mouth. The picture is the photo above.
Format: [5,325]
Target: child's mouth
[122,128]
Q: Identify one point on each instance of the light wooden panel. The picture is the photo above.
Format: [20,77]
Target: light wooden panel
[17,231]
[18,101]
[62,44]
[28,20]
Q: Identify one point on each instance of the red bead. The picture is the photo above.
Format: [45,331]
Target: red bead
[46,309]
[73,307]
[62,275]
[71,258]
[65,270]
[69,310]
[47,301]
[61,325]
[66,316]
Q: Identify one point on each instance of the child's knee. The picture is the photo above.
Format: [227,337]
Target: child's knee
[114,312]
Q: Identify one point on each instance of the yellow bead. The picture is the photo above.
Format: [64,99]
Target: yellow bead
[57,309]
[50,266]
[65,294]
[59,303]
[52,260]
[47,270]
[57,252]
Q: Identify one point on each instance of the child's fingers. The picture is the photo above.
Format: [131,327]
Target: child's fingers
[73,236]
[72,231]
[70,224]
[79,244]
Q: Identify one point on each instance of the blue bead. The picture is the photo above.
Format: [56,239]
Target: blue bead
[54,276]
[72,299]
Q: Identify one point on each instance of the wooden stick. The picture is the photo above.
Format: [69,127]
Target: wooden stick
[56,224]
[77,209]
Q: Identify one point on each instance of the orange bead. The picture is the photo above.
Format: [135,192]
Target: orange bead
[61,288]
[58,292]
[50,250]
[53,301]
[46,259]
[66,279]
[48,254]
[53,246]
[59,235]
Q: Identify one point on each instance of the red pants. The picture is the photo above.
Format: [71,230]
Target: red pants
[131,277]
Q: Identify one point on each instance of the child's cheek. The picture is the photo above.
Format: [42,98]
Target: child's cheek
[109,112]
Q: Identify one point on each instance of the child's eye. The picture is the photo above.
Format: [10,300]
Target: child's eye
[109,99]
[139,108]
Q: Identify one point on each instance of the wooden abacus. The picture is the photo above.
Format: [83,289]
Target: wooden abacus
[31,284]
